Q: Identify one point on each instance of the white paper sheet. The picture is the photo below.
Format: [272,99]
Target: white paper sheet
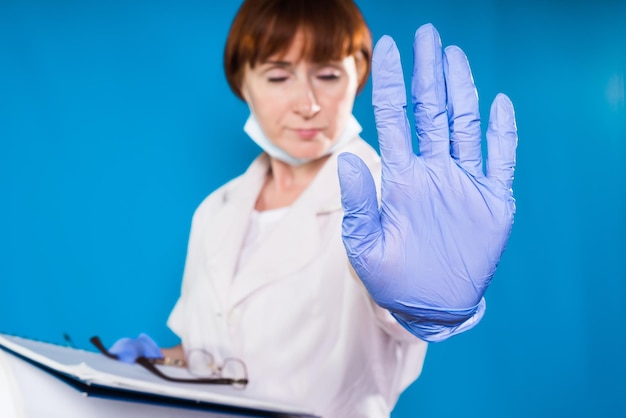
[94,368]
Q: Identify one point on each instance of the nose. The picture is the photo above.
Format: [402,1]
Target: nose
[305,102]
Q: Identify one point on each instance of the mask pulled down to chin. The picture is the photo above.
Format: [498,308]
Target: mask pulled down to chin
[254,131]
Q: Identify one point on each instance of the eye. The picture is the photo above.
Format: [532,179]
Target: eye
[329,74]
[276,79]
[277,75]
[328,77]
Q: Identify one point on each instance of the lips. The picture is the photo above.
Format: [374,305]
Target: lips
[307,133]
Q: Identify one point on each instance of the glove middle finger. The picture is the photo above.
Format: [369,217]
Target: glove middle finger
[428,90]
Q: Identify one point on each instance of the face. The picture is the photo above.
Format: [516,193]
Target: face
[301,106]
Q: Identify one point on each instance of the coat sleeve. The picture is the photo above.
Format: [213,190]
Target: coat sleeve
[384,319]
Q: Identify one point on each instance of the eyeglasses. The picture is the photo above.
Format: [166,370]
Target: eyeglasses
[198,362]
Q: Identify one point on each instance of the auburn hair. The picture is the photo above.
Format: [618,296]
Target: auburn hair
[332,30]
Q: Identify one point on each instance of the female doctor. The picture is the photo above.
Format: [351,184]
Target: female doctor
[326,291]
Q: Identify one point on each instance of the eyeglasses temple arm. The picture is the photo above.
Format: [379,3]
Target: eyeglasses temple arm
[213,380]
[146,363]
[96,341]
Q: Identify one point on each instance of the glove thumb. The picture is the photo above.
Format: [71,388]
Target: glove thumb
[129,349]
[361,220]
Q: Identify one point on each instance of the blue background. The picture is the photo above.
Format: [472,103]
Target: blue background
[116,120]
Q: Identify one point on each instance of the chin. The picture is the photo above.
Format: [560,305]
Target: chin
[310,154]
[312,150]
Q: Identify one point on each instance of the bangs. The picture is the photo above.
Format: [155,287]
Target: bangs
[331,30]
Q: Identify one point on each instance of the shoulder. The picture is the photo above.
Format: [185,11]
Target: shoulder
[368,154]
[219,195]
[237,192]
[213,201]
[364,151]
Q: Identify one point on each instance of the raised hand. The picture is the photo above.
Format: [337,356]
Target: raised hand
[429,251]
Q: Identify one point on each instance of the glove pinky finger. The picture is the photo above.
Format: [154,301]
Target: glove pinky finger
[501,141]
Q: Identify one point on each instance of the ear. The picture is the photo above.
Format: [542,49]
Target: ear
[244,88]
[362,69]
[245,93]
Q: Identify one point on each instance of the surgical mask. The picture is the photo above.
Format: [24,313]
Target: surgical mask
[253,129]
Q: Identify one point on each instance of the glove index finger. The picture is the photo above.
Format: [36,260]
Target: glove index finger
[389,101]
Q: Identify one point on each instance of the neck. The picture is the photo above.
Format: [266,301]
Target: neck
[285,183]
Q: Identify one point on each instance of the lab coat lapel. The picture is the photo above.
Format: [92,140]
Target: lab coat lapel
[227,233]
[295,241]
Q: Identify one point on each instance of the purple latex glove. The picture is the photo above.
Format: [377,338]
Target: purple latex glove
[429,252]
[129,349]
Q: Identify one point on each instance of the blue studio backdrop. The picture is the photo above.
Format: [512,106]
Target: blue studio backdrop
[116,121]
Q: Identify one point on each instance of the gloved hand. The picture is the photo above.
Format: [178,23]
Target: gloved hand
[428,254]
[129,349]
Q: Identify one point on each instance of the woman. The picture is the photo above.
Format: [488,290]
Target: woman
[267,277]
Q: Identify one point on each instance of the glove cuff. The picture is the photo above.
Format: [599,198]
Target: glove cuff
[433,325]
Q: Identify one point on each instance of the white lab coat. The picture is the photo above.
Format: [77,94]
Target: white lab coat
[295,314]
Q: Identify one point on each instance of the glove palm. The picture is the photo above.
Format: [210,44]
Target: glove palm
[429,251]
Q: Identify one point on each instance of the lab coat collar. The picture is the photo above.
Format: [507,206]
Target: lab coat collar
[224,238]
[280,257]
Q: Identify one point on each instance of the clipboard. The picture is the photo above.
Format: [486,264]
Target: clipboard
[130,386]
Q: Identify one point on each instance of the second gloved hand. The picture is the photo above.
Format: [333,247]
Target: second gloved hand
[129,349]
